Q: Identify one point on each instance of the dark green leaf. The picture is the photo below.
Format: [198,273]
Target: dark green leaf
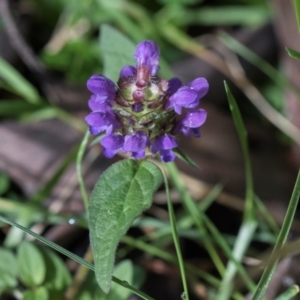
[293,53]
[8,269]
[117,51]
[31,264]
[121,194]
[57,277]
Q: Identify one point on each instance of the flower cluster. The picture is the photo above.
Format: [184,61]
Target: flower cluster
[143,113]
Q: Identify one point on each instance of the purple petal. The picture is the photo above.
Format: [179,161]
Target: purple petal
[101,121]
[113,142]
[167,155]
[165,142]
[174,84]
[101,86]
[194,119]
[98,106]
[200,85]
[138,155]
[128,71]
[96,119]
[96,130]
[109,153]
[147,53]
[184,97]
[135,142]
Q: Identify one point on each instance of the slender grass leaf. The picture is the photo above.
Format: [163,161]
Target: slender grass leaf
[185,158]
[31,264]
[289,293]
[283,234]
[121,194]
[226,15]
[18,83]
[249,225]
[297,11]
[293,53]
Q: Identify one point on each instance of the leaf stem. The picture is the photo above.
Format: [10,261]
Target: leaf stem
[175,238]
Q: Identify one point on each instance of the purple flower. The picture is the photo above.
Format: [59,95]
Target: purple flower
[191,122]
[112,144]
[128,71]
[147,53]
[188,96]
[136,144]
[143,113]
[101,121]
[164,144]
[200,85]
[174,84]
[98,106]
[103,88]
[184,97]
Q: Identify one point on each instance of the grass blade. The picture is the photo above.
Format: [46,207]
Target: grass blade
[289,293]
[297,11]
[19,84]
[283,234]
[249,224]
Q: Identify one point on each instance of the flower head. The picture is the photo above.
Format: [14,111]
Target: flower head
[145,113]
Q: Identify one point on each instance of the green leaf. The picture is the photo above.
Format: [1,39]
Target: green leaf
[57,276]
[8,270]
[19,84]
[31,264]
[124,271]
[121,194]
[117,51]
[40,293]
[293,53]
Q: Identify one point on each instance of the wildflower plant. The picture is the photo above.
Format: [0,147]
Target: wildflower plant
[141,114]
